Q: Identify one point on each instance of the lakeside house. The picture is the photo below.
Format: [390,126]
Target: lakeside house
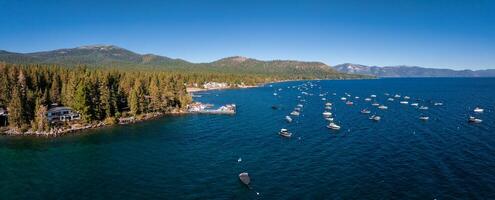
[215,85]
[62,114]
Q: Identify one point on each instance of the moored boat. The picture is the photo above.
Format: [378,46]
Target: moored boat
[365,111]
[383,107]
[404,102]
[288,119]
[333,126]
[244,178]
[478,110]
[424,118]
[472,119]
[285,133]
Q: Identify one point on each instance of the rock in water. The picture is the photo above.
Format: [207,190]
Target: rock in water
[244,177]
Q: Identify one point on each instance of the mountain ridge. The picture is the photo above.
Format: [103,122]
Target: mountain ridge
[410,71]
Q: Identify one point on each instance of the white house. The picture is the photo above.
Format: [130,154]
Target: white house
[62,114]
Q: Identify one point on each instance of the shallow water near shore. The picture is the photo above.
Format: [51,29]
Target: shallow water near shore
[196,156]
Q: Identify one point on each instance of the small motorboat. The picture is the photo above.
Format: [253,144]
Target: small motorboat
[356,97]
[343,98]
[386,94]
[375,118]
[407,97]
[397,96]
[323,99]
[474,120]
[329,119]
[367,99]
[328,104]
[275,94]
[300,105]
[423,107]
[288,119]
[365,111]
[297,109]
[424,118]
[373,96]
[478,110]
[350,103]
[415,104]
[390,99]
[438,104]
[375,104]
[404,102]
[383,107]
[285,133]
[244,178]
[295,113]
[333,126]
[327,114]
[328,108]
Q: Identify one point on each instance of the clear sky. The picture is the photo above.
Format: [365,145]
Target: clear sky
[444,34]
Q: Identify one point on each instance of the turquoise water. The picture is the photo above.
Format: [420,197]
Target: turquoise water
[195,156]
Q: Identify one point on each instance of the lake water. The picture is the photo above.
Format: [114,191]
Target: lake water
[196,156]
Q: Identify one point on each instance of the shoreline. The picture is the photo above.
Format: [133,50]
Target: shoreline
[59,132]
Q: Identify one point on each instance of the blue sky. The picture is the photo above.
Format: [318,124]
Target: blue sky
[443,34]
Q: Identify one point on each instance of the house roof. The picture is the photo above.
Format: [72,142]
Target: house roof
[58,109]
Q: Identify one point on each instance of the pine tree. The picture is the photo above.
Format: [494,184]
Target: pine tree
[16,109]
[155,95]
[40,122]
[55,90]
[81,101]
[134,102]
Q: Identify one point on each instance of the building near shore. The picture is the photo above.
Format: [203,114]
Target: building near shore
[62,114]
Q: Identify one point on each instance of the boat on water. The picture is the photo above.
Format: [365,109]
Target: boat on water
[327,114]
[288,119]
[365,111]
[329,119]
[390,99]
[333,126]
[438,104]
[285,133]
[397,96]
[349,103]
[356,97]
[375,104]
[424,118]
[382,107]
[297,109]
[300,105]
[244,178]
[415,104]
[472,119]
[373,96]
[367,99]
[404,102]
[328,104]
[323,99]
[478,110]
[328,108]
[423,107]
[343,98]
[407,97]
[295,113]
[375,118]
[275,94]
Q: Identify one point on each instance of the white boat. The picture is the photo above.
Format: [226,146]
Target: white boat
[327,114]
[356,97]
[373,96]
[328,104]
[415,104]
[295,113]
[438,104]
[333,126]
[300,105]
[390,99]
[404,102]
[343,98]
[275,94]
[367,99]
[365,111]
[478,110]
[397,96]
[375,118]
[244,177]
[328,108]
[382,107]
[474,120]
[407,97]
[288,119]
[424,118]
[323,99]
[423,107]
[375,104]
[297,109]
[349,103]
[329,119]
[285,133]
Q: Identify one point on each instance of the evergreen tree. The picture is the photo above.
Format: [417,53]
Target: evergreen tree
[40,122]
[55,90]
[16,109]
[134,102]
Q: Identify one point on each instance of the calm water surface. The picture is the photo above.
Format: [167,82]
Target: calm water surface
[195,156]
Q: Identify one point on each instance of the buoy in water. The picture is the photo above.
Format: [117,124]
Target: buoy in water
[239,160]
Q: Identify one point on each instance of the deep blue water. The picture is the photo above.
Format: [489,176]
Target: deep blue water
[195,156]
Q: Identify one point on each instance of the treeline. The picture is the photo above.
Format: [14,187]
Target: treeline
[28,91]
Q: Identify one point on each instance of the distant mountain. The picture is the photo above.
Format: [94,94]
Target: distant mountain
[117,57]
[410,71]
